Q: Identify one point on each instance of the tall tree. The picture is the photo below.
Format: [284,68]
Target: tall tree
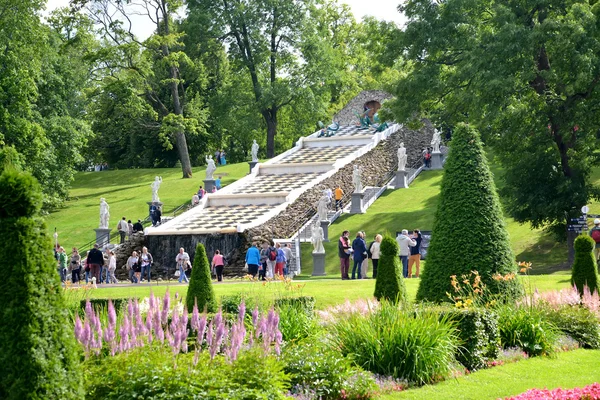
[526,73]
[157,61]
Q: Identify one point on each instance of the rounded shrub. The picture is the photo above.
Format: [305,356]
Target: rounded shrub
[529,329]
[390,283]
[200,289]
[469,233]
[38,358]
[584,271]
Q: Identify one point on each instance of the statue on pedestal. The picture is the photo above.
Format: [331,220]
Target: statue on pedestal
[356,179]
[323,206]
[254,151]
[104,214]
[210,167]
[155,186]
[402,157]
[317,238]
[436,141]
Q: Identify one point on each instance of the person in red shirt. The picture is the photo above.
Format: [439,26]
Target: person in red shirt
[218,263]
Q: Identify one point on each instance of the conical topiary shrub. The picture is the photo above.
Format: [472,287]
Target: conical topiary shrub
[468,231]
[38,358]
[584,271]
[390,283]
[200,288]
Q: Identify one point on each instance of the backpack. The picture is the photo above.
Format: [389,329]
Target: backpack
[272,253]
[427,156]
[596,235]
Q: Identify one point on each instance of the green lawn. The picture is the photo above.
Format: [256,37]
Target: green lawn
[127,193]
[568,370]
[415,208]
[327,292]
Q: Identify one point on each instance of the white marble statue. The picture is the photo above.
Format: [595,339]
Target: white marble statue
[155,186]
[436,141]
[210,167]
[323,206]
[356,179]
[104,214]
[402,157]
[317,238]
[254,151]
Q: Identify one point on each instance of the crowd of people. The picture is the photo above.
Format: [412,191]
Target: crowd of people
[360,253]
[272,259]
[196,197]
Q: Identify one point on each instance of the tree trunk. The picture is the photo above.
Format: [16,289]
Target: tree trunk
[270,117]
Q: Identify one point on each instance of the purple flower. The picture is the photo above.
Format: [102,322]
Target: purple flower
[195,322]
[255,317]
[242,311]
[112,315]
[78,329]
[166,306]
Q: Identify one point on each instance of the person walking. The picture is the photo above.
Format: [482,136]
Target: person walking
[182,259]
[223,160]
[288,258]
[218,264]
[375,250]
[344,251]
[338,195]
[146,263]
[75,265]
[112,267]
[95,259]
[279,260]
[415,254]
[129,229]
[123,229]
[218,183]
[359,251]
[62,264]
[405,243]
[131,264]
[264,257]
[365,263]
[104,269]
[271,261]
[595,234]
[252,260]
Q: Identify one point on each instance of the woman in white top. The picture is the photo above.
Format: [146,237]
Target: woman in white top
[375,252]
[132,262]
[112,266]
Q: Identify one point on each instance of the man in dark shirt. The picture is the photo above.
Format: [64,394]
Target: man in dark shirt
[138,227]
[415,254]
[344,251]
[95,259]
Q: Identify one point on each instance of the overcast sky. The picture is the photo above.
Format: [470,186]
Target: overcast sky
[381,9]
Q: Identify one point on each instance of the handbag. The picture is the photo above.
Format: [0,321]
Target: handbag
[246,267]
[177,274]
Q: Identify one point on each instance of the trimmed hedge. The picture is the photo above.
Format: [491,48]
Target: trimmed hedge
[468,231]
[584,271]
[479,335]
[38,358]
[201,287]
[390,283]
[119,303]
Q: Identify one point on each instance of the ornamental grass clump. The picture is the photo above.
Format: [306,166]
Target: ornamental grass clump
[37,353]
[418,348]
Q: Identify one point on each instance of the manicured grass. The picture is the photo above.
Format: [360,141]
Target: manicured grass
[415,208]
[568,370]
[327,292]
[127,193]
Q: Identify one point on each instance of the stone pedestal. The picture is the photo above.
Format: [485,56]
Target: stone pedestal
[401,180]
[356,207]
[209,184]
[252,165]
[318,264]
[325,226]
[436,160]
[102,236]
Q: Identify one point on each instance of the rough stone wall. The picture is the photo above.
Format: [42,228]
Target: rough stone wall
[346,115]
[122,253]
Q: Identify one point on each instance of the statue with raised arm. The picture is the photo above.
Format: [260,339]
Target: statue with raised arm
[317,238]
[104,214]
[323,206]
[436,141]
[254,151]
[356,179]
[155,186]
[402,157]
[210,167]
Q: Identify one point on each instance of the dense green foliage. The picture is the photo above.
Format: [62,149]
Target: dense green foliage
[296,322]
[469,233]
[318,369]
[97,304]
[398,343]
[37,349]
[152,374]
[528,329]
[584,271]
[478,334]
[577,322]
[200,290]
[390,283]
[526,74]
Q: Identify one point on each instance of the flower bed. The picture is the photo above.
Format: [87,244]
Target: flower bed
[590,392]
